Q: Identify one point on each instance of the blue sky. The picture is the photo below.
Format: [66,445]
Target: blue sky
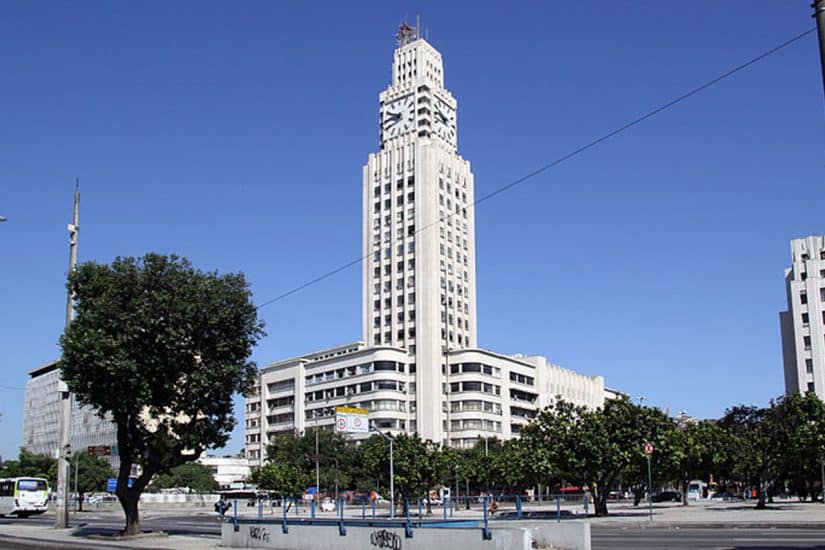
[234,134]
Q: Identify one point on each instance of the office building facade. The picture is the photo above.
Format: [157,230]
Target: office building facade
[40,418]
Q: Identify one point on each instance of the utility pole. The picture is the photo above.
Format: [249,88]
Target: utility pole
[819,15]
[61,520]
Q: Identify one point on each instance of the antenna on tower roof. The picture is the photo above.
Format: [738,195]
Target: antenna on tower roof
[417,25]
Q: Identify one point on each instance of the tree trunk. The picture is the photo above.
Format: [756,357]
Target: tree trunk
[685,485]
[638,494]
[130,508]
[80,502]
[760,505]
[599,502]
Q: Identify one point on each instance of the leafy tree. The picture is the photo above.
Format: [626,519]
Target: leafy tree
[417,465]
[196,477]
[161,347]
[335,456]
[701,448]
[596,448]
[92,474]
[284,478]
[30,464]
[798,423]
[752,458]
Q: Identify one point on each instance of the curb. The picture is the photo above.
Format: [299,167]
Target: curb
[711,525]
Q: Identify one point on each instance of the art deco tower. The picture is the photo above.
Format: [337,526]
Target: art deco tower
[419,233]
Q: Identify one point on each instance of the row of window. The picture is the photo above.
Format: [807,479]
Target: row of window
[475,406]
[521,378]
[356,370]
[473,386]
[376,256]
[459,368]
[806,318]
[280,402]
[804,274]
[803,296]
[281,386]
[475,424]
[355,389]
[376,271]
[806,342]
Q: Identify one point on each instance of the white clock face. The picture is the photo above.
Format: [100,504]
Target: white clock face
[444,120]
[398,117]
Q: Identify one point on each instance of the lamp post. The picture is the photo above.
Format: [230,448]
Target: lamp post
[392,471]
[61,517]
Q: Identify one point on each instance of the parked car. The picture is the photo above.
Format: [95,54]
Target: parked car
[327,505]
[667,496]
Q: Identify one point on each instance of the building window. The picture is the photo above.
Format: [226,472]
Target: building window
[806,342]
[805,319]
[811,387]
[809,366]
[803,297]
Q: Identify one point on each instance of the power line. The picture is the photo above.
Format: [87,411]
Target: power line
[570,155]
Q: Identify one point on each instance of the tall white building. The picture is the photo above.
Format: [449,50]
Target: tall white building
[803,324]
[419,368]
[419,231]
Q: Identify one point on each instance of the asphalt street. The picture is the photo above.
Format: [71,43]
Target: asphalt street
[604,538]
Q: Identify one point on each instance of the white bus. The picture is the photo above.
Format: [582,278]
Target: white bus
[24,496]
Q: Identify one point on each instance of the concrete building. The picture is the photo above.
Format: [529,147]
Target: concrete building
[230,472]
[803,324]
[419,368]
[40,418]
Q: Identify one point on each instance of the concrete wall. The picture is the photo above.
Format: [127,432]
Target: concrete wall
[302,537]
[564,536]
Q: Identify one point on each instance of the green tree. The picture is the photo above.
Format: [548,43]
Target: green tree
[798,423]
[161,347]
[335,456]
[701,449]
[92,474]
[752,459]
[30,464]
[284,478]
[196,477]
[597,448]
[417,464]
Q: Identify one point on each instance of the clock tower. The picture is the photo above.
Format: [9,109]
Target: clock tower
[419,230]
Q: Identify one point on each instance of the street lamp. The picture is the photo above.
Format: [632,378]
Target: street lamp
[392,471]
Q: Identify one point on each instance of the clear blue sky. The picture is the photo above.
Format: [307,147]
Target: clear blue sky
[234,134]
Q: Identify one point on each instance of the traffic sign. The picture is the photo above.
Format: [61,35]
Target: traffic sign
[649,448]
[99,450]
[351,420]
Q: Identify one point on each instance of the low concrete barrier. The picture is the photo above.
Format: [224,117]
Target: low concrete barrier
[564,536]
[269,534]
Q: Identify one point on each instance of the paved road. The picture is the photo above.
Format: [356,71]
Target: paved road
[604,538]
[91,523]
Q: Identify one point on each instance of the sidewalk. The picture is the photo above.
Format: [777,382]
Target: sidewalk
[739,514]
[711,514]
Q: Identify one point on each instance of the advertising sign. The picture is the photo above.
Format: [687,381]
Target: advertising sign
[351,420]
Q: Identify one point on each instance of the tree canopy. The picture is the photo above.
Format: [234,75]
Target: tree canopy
[93,472]
[196,477]
[161,347]
[29,464]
